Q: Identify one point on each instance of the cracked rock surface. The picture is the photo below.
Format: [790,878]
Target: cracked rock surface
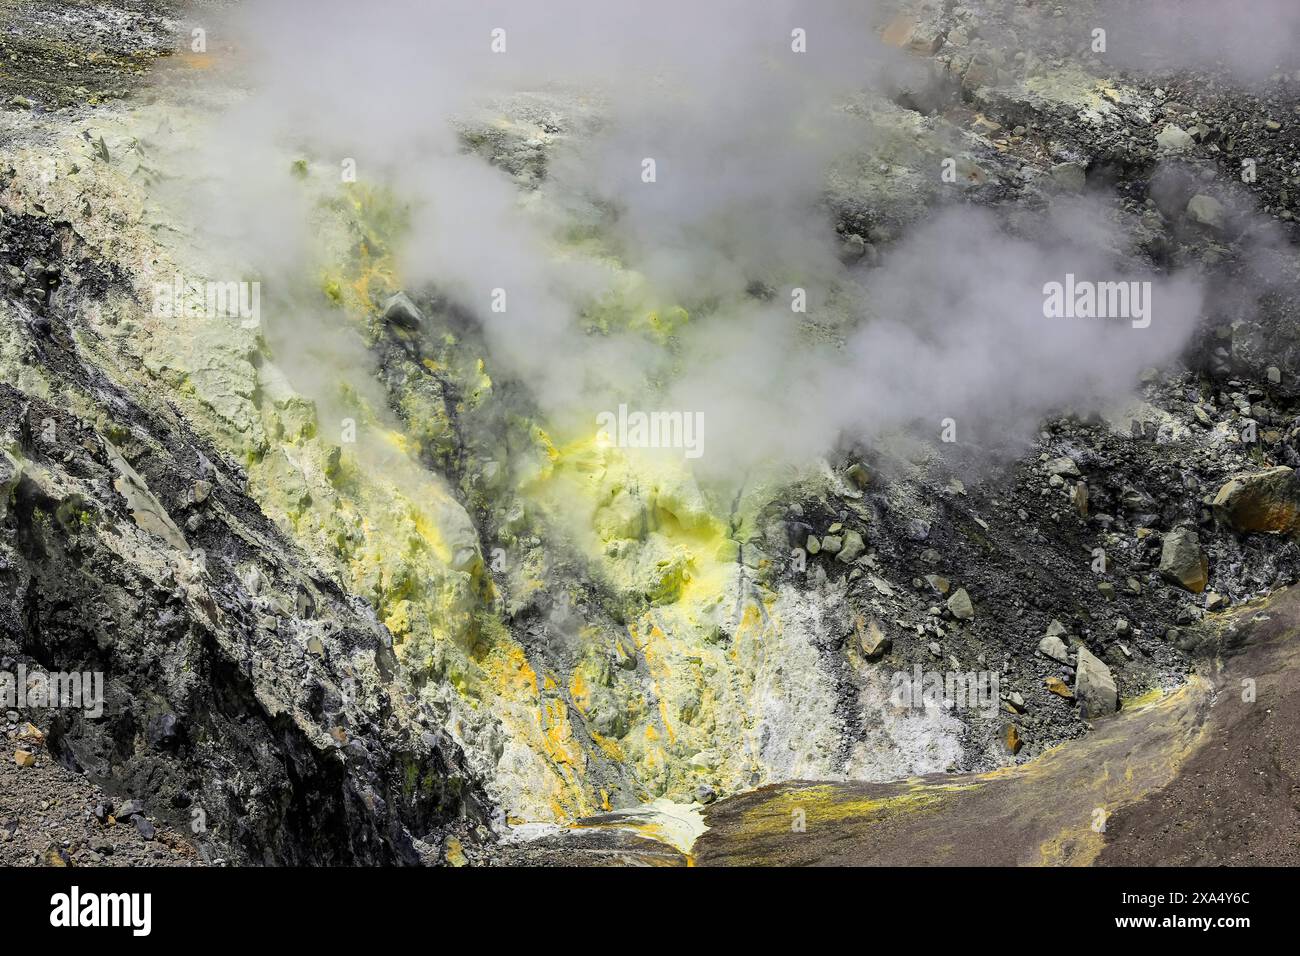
[388,617]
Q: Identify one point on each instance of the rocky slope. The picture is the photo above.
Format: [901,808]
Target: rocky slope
[239,682]
[1198,778]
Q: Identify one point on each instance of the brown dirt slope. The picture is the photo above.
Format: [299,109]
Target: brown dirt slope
[1199,777]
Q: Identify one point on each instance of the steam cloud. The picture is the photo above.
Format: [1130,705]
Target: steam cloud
[948,324]
[1252,40]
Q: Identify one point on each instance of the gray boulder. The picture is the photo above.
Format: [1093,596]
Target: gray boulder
[1174,138]
[1064,467]
[1267,501]
[1052,645]
[960,605]
[1183,562]
[401,311]
[1094,686]
[1205,211]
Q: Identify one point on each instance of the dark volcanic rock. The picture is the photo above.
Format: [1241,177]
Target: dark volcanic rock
[203,707]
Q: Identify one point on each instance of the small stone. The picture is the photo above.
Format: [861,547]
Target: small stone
[162,730]
[1107,590]
[858,474]
[1205,211]
[1079,498]
[56,856]
[1059,687]
[852,547]
[1183,562]
[401,311]
[201,491]
[1053,648]
[30,733]
[1011,739]
[960,605]
[144,827]
[874,642]
[831,544]
[938,582]
[1094,687]
[1173,138]
[935,649]
[24,758]
[814,544]
[1064,467]
[129,809]
[1215,602]
[455,854]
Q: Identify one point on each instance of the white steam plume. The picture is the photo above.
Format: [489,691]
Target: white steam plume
[950,324]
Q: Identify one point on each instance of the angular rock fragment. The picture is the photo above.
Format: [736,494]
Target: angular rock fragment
[1079,498]
[851,548]
[1052,646]
[858,474]
[1183,562]
[1059,687]
[401,311]
[1174,138]
[1094,687]
[938,582]
[1267,501]
[1064,467]
[1011,738]
[874,642]
[960,605]
[1206,211]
